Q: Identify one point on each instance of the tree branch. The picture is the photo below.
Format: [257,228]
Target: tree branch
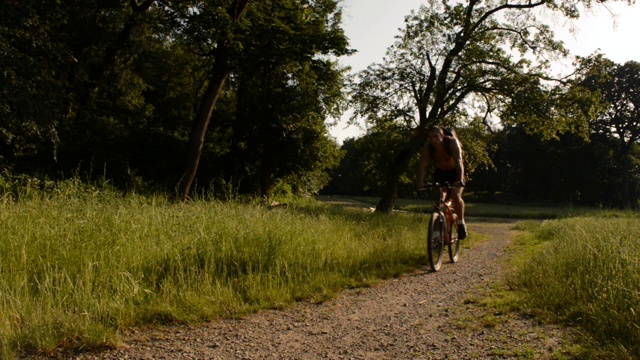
[506,6]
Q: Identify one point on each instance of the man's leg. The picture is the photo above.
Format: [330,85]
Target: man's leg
[458,206]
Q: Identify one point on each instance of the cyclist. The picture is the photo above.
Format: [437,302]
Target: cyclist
[445,151]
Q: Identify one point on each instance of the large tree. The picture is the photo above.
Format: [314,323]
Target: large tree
[454,62]
[618,85]
[288,83]
[285,84]
[213,27]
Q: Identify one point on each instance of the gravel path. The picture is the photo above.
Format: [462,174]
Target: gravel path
[422,315]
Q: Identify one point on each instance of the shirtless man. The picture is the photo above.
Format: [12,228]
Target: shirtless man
[446,153]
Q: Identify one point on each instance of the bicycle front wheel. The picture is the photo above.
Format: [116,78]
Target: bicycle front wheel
[435,241]
[454,242]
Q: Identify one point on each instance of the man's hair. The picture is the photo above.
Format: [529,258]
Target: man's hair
[435,129]
[443,130]
[449,132]
[449,136]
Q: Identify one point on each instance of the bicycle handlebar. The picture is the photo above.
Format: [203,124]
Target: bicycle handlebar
[446,185]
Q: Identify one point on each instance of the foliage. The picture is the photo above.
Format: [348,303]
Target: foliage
[465,68]
[617,86]
[455,62]
[116,86]
[110,89]
[353,176]
[365,170]
[284,86]
[568,169]
[595,167]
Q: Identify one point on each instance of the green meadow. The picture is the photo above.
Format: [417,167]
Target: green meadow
[584,272]
[79,265]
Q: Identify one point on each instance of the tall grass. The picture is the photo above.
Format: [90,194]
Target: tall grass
[587,273]
[78,265]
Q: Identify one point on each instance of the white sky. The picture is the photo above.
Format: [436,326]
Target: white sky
[371,26]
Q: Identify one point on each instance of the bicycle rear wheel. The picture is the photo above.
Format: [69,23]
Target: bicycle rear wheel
[454,242]
[435,243]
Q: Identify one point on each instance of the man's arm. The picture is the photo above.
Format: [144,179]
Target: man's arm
[456,154]
[422,166]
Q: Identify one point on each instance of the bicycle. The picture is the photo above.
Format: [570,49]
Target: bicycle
[443,229]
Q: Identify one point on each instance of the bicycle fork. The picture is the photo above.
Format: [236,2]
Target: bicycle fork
[442,224]
[450,220]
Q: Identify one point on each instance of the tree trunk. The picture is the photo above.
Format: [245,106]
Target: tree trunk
[112,52]
[626,166]
[266,180]
[85,90]
[399,165]
[220,72]
[203,118]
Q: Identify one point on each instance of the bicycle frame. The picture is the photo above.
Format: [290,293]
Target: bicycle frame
[442,204]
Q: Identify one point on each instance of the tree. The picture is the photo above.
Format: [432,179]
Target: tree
[455,62]
[363,170]
[285,85]
[618,85]
[212,26]
[349,177]
[123,86]
[365,166]
[291,85]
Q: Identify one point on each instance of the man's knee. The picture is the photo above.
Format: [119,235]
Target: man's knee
[457,196]
[457,200]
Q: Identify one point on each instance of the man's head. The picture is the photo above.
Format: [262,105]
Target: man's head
[435,136]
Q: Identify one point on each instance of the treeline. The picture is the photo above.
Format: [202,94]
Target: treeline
[523,167]
[526,131]
[143,92]
[595,163]
[232,97]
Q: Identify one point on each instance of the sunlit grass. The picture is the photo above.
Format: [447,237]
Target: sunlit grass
[79,265]
[586,272]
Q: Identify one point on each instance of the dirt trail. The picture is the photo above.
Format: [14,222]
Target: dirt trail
[422,315]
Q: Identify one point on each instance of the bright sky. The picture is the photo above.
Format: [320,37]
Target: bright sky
[371,26]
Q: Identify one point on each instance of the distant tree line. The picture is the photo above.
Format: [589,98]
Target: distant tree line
[598,166]
[485,69]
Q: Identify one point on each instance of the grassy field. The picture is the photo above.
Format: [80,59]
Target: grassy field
[80,264]
[584,272]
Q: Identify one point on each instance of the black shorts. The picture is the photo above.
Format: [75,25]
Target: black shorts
[446,176]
